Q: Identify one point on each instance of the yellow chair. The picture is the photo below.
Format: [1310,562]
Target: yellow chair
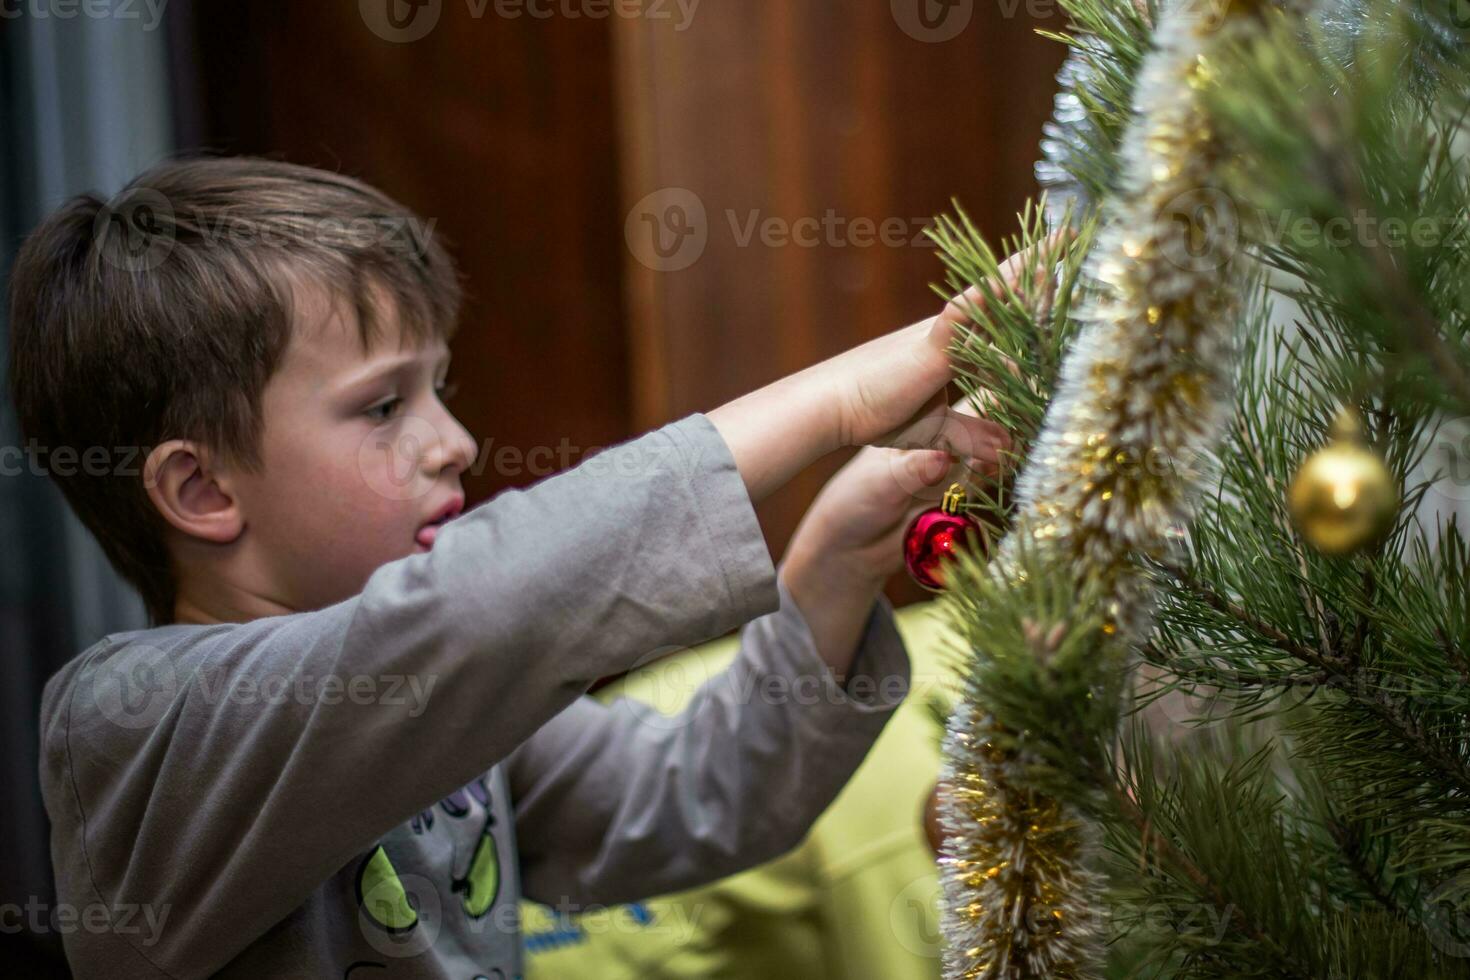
[856,899]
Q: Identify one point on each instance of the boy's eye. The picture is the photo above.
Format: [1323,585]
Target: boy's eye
[384,410]
[447,390]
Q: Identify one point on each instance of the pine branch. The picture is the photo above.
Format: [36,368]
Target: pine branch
[1367,591]
[1454,655]
[1278,638]
[1350,844]
[1399,298]
[1338,668]
[1163,847]
[1310,600]
[1219,676]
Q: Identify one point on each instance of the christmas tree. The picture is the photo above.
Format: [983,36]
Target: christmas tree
[1216,711]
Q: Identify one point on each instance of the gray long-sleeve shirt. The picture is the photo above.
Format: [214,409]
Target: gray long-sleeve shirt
[368,789]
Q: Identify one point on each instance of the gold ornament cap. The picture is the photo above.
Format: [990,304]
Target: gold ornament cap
[953,501]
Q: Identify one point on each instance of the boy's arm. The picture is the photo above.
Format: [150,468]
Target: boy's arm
[617,802]
[188,766]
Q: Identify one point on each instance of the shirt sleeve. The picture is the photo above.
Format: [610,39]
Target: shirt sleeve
[618,802]
[188,766]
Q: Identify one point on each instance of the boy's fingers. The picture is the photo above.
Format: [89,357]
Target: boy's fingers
[967,414]
[986,398]
[992,462]
[958,310]
[913,474]
[946,439]
[928,465]
[933,827]
[958,434]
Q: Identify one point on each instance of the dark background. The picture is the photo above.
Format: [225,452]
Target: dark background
[530,142]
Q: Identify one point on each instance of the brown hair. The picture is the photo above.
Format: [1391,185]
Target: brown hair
[162,313]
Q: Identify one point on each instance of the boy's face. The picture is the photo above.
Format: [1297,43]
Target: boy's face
[361,459]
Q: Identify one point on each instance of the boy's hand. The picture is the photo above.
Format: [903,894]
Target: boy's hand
[933,829]
[887,392]
[850,541]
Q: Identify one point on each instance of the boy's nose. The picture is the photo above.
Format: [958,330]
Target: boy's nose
[456,449]
[462,455]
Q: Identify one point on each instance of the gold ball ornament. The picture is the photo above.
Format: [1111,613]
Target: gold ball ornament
[1343,498]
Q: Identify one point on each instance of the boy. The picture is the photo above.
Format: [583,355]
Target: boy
[357,731]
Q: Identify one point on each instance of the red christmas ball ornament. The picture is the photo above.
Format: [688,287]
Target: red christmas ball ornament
[936,536]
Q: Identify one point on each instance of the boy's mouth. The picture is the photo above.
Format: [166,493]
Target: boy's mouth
[448,512]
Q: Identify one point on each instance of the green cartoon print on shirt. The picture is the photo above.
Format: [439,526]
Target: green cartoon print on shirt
[382,896]
[384,901]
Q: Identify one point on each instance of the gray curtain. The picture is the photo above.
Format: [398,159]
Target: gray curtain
[83,106]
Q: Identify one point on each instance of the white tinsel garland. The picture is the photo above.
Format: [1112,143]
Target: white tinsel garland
[1143,395]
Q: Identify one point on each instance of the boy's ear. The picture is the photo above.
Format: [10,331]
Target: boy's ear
[188,493]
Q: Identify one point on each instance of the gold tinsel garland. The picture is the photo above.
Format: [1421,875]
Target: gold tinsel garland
[1144,395]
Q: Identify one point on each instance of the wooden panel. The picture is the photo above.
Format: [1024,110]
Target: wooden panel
[531,139]
[766,109]
[500,130]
